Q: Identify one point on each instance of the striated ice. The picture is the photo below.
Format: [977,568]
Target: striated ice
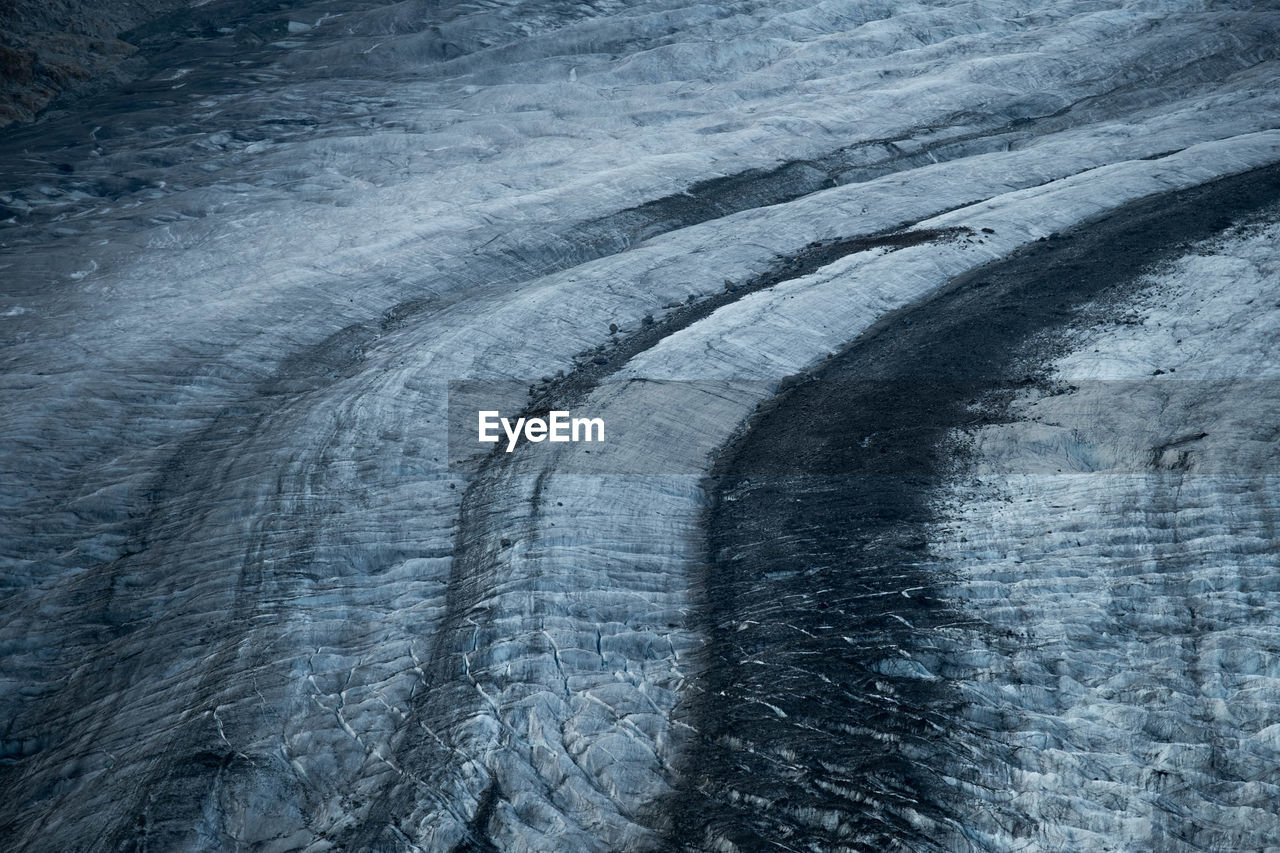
[247,601]
[1134,701]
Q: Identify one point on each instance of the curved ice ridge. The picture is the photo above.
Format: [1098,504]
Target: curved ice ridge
[232,611]
[569,646]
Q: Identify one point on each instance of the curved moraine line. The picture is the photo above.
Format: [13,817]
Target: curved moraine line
[551,708]
[845,700]
[232,613]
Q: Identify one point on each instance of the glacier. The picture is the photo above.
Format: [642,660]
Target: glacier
[254,599]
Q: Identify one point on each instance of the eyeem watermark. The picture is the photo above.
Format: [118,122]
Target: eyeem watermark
[558,426]
[890,427]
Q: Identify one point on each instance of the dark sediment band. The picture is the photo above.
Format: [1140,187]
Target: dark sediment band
[824,704]
[473,573]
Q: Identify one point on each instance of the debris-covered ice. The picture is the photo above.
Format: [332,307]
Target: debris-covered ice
[249,603]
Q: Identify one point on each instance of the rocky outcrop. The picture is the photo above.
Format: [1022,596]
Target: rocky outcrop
[50,47]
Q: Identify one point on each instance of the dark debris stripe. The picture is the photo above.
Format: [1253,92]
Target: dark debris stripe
[817,731]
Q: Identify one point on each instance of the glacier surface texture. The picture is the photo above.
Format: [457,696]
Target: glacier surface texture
[936,345]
